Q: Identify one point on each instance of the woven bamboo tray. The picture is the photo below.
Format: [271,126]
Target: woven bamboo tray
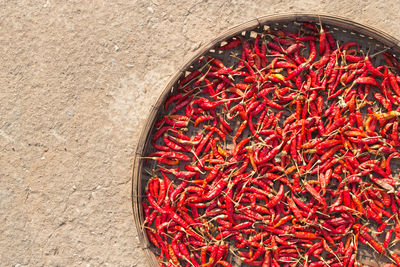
[372,41]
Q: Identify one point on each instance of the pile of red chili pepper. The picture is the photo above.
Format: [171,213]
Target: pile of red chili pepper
[282,158]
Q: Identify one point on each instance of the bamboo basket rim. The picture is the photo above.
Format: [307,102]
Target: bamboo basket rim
[372,33]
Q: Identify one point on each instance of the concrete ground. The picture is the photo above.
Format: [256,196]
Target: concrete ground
[77,80]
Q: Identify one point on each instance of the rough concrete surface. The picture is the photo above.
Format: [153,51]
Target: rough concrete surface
[77,81]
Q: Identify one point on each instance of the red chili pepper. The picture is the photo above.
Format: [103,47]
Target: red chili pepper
[274,201]
[270,155]
[367,80]
[315,194]
[216,190]
[232,44]
[395,257]
[371,68]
